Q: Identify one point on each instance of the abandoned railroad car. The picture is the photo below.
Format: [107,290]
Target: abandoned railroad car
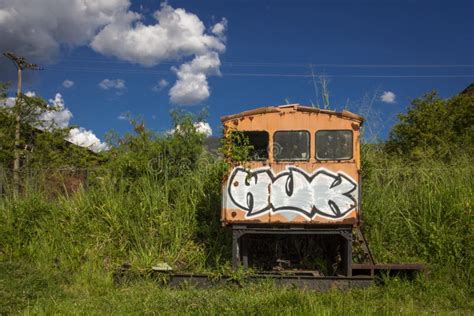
[304,168]
[302,179]
[291,198]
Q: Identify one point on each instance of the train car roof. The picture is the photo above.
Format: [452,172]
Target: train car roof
[294,107]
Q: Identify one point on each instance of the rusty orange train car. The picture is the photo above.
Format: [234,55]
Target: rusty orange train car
[302,178]
[304,168]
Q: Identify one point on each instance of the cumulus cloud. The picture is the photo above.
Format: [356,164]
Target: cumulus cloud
[201,127]
[38,29]
[9,102]
[388,97]
[68,83]
[107,84]
[192,86]
[176,34]
[160,85]
[220,28]
[58,116]
[86,138]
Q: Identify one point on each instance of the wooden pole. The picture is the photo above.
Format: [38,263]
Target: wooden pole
[16,160]
[20,63]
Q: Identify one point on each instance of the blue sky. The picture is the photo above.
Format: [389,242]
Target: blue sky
[365,48]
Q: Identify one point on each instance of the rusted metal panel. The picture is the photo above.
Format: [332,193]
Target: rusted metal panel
[309,191]
[296,107]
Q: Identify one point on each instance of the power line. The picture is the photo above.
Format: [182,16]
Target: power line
[249,74]
[285,64]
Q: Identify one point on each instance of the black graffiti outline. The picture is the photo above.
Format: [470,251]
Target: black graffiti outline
[289,172]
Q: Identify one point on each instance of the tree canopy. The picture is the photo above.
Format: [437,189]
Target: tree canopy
[43,145]
[434,128]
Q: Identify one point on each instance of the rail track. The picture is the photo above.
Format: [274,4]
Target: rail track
[363,275]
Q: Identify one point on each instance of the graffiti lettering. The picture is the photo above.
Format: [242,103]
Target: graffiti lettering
[324,193]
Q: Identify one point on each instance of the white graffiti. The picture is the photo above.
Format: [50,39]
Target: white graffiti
[292,192]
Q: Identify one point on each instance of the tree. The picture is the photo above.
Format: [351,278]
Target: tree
[166,155]
[41,144]
[434,128]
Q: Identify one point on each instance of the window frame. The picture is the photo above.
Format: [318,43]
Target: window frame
[332,159]
[267,149]
[296,131]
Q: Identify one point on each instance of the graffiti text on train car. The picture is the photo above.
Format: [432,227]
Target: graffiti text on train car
[323,192]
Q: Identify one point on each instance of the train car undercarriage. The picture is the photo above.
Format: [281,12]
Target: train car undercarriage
[319,258]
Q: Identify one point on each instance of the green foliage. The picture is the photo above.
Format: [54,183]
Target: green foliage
[145,152]
[33,291]
[29,109]
[434,128]
[419,211]
[45,155]
[3,90]
[42,146]
[236,147]
[157,199]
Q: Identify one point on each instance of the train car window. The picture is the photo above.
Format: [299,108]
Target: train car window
[257,140]
[334,145]
[291,145]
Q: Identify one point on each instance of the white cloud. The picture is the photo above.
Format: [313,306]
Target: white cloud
[58,116]
[388,97]
[68,83]
[163,83]
[201,127]
[220,28]
[176,34]
[107,84]
[86,138]
[10,101]
[38,29]
[192,86]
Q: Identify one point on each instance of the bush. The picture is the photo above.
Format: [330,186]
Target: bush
[434,128]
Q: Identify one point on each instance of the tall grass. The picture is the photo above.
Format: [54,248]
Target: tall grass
[112,223]
[418,212]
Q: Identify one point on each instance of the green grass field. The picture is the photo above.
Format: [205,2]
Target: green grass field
[58,254]
[29,291]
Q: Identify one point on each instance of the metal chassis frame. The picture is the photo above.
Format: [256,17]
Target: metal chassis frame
[239,247]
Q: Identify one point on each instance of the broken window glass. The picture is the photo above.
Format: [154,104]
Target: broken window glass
[257,142]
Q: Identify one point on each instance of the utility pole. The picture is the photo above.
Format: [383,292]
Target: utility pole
[20,63]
